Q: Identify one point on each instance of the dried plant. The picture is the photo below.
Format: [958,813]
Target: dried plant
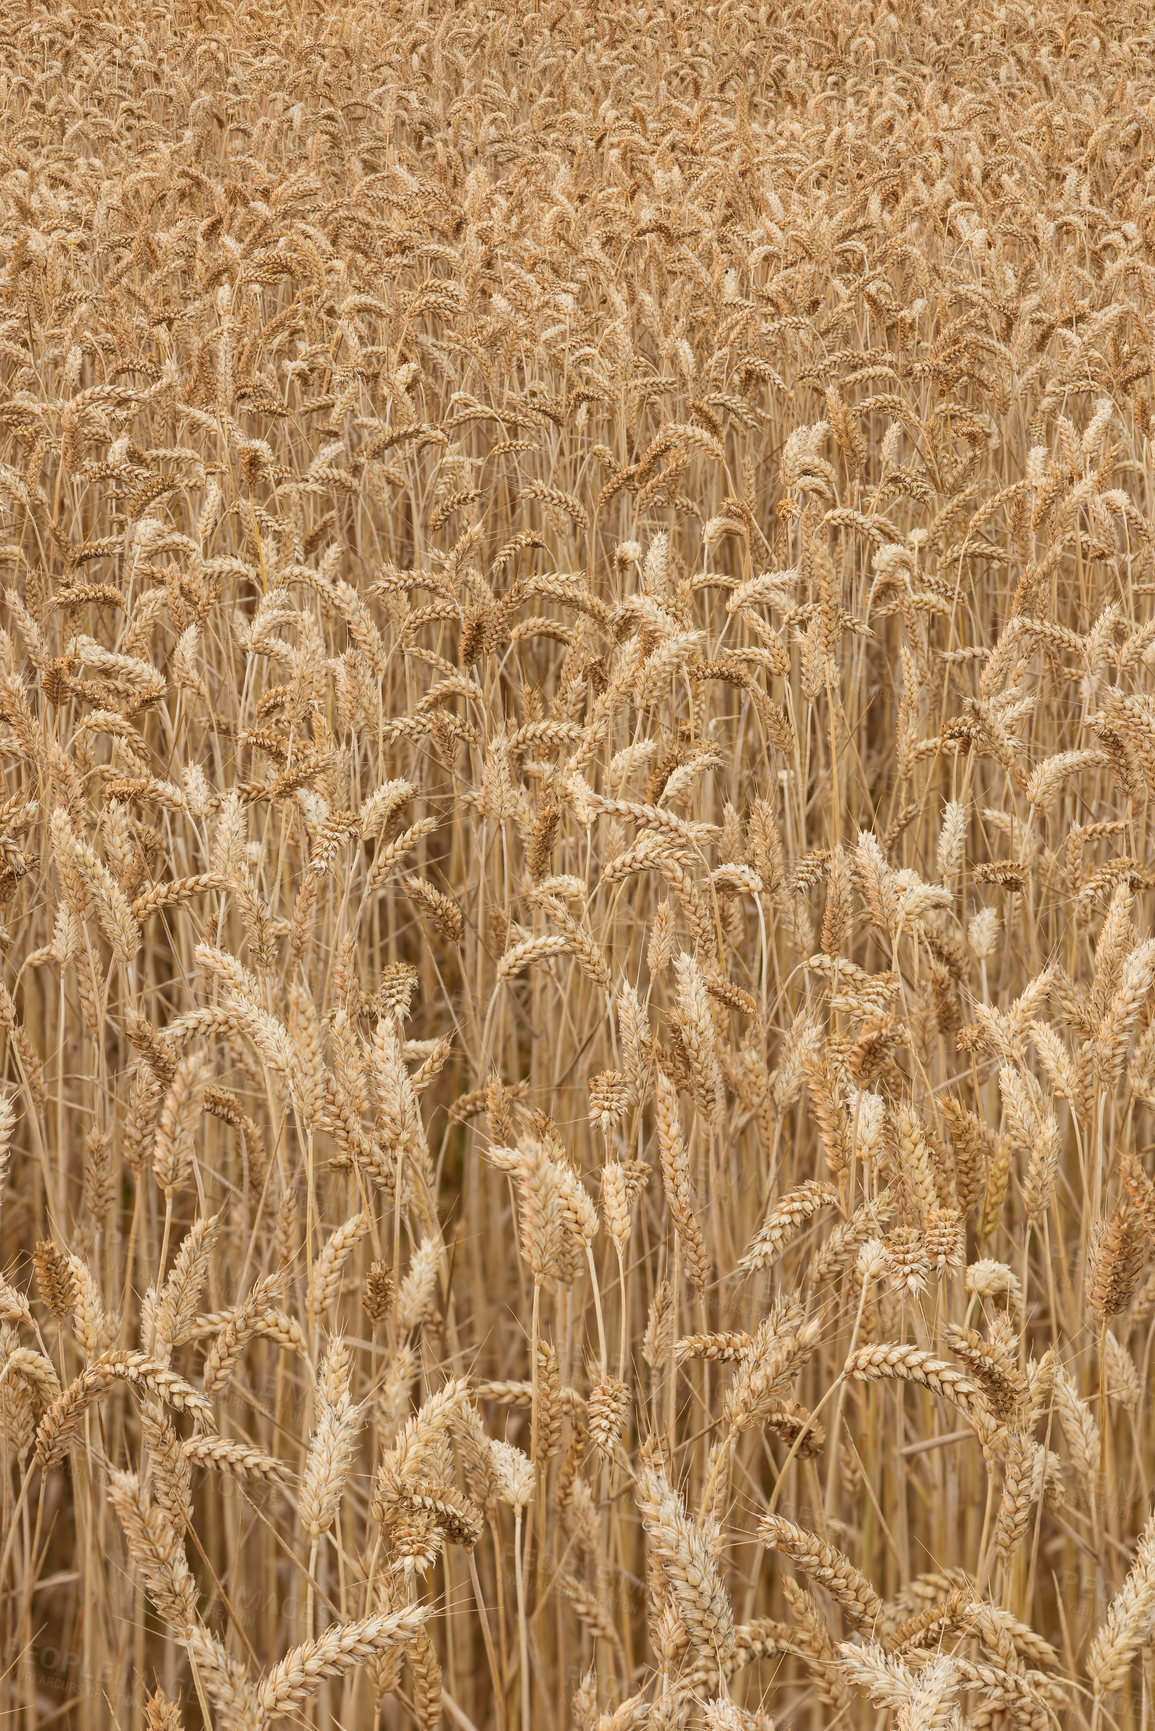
[577,984]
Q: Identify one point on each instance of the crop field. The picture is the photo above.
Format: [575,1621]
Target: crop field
[577,988]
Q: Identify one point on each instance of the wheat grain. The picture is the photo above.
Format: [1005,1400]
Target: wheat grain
[577,596]
[825,1565]
[299,1674]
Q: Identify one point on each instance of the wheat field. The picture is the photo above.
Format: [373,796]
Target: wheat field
[577,991]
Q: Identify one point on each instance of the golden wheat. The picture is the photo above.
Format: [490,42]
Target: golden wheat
[577,998]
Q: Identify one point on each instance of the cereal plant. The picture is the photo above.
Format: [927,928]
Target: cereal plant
[577,981]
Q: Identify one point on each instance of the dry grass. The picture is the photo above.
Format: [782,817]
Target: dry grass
[577,1027]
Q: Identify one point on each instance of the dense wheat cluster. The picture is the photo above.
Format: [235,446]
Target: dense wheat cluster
[577,991]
